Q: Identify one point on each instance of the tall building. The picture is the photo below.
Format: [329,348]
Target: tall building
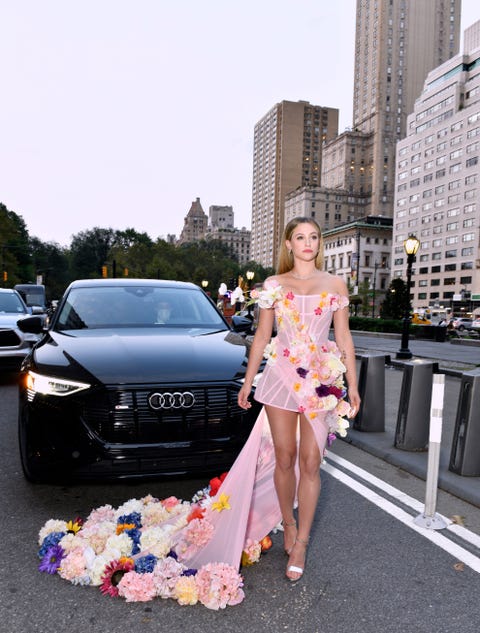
[437,194]
[397,42]
[220,217]
[287,154]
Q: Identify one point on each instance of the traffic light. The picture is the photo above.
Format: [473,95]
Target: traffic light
[125,272]
[104,271]
[5,275]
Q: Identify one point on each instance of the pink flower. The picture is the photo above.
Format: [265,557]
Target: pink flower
[166,573]
[318,311]
[286,352]
[290,295]
[219,585]
[136,587]
[170,502]
[199,532]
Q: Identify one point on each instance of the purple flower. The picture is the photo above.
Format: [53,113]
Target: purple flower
[52,559]
[302,372]
[331,438]
[322,391]
[189,572]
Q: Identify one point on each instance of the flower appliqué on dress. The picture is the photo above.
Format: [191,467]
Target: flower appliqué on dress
[319,370]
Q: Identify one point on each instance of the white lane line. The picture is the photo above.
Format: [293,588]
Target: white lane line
[441,541]
[411,502]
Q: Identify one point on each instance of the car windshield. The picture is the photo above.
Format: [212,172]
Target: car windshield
[10,302]
[137,306]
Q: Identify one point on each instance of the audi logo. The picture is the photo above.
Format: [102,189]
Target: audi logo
[175,400]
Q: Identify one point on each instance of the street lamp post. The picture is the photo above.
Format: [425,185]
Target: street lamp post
[410,245]
[204,285]
[375,266]
[250,275]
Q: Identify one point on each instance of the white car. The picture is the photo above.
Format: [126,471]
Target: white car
[476,324]
[14,344]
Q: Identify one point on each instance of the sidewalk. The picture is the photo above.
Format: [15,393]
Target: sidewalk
[381,444]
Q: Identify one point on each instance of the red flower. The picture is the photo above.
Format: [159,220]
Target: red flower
[286,352]
[196,513]
[215,484]
[318,311]
[290,295]
[113,574]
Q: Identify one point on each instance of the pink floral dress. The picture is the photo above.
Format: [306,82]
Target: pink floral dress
[304,371]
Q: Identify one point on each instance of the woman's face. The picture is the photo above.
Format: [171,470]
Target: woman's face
[304,242]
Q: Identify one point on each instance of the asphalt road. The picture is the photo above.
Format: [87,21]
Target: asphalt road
[366,570]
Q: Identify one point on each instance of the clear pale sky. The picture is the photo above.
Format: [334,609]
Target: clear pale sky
[119,113]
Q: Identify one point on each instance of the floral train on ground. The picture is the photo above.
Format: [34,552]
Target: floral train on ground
[135,551]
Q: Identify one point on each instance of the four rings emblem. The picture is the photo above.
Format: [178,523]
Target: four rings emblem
[175,400]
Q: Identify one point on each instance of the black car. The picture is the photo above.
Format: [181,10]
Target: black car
[133,378]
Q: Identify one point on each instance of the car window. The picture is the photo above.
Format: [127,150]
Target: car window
[10,303]
[137,306]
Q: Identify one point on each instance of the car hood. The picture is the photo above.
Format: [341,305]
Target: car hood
[9,319]
[143,356]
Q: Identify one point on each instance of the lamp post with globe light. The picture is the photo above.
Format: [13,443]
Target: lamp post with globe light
[205,285]
[411,245]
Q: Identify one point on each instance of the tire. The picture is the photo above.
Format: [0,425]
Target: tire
[461,328]
[26,444]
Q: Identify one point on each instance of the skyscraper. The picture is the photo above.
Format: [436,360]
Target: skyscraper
[397,42]
[287,154]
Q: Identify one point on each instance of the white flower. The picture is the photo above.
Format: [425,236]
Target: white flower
[222,290]
[52,525]
[237,295]
[268,296]
[270,352]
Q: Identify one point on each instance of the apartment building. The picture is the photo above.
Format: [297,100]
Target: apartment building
[287,154]
[396,44]
[437,192]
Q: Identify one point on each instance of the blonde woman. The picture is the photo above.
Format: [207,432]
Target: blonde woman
[302,386]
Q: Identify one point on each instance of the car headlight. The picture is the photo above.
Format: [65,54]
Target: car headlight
[51,386]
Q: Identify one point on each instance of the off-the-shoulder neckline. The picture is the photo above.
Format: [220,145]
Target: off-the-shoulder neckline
[320,294]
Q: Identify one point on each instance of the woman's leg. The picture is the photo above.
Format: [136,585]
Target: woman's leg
[308,494]
[283,426]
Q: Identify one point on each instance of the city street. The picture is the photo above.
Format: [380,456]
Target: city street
[369,568]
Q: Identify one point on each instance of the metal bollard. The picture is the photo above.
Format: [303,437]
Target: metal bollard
[465,454]
[414,408]
[371,387]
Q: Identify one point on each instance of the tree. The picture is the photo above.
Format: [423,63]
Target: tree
[15,252]
[89,251]
[51,261]
[396,300]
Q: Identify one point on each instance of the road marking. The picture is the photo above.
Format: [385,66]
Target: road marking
[411,502]
[404,517]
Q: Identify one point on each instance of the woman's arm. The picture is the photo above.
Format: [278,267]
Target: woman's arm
[262,336]
[343,338]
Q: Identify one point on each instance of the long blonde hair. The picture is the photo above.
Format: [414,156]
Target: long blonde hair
[285,257]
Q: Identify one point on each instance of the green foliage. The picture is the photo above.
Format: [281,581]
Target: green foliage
[396,301]
[15,252]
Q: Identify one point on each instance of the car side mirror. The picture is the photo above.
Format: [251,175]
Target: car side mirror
[242,325]
[31,325]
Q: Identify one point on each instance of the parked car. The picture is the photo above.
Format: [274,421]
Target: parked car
[133,378]
[476,324]
[14,344]
[462,323]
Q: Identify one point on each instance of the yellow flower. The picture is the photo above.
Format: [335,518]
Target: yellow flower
[312,347]
[121,527]
[73,527]
[312,415]
[296,386]
[222,503]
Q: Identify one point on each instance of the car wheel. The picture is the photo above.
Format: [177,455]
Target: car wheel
[461,328]
[26,444]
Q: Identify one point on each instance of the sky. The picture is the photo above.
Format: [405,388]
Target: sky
[120,113]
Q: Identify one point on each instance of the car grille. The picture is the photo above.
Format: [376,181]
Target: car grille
[124,415]
[9,338]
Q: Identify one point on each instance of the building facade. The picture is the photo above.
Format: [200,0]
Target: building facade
[195,224]
[287,154]
[396,44]
[437,193]
[359,252]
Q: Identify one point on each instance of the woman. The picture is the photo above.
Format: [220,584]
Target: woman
[305,300]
